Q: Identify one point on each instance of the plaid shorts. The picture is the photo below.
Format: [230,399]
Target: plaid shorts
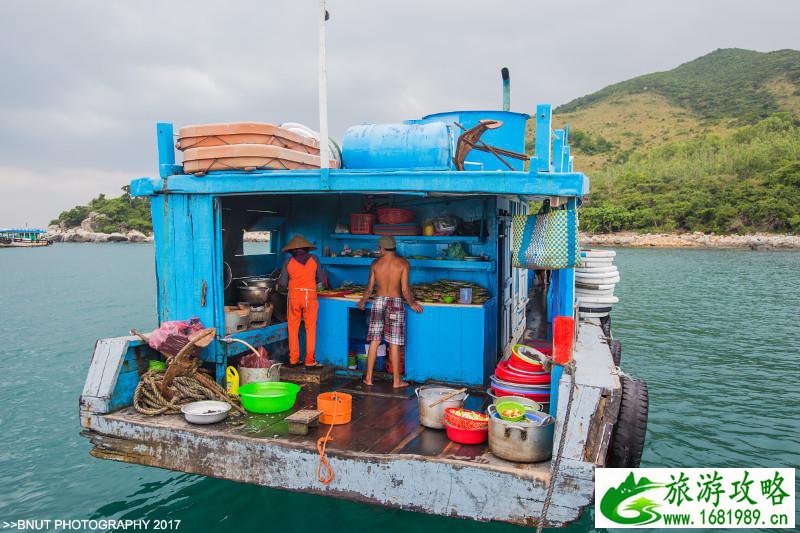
[387,320]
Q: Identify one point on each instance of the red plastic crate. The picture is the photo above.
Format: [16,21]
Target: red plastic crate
[361,223]
[393,215]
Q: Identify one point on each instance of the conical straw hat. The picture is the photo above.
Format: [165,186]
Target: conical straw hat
[298,241]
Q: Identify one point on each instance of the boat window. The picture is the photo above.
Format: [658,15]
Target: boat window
[257,243]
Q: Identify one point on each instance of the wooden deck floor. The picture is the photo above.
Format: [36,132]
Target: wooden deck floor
[383,456]
[384,422]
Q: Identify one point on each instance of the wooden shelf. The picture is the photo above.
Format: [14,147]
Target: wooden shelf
[444,264]
[469,239]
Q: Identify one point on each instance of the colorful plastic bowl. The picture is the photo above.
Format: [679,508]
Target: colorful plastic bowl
[466,436]
[465,419]
[505,407]
[268,397]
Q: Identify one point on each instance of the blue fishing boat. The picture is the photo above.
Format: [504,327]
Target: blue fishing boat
[382,455]
[515,314]
[23,238]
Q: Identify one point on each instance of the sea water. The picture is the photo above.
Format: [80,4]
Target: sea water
[714,333]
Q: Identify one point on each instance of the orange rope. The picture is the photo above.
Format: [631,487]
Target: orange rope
[322,444]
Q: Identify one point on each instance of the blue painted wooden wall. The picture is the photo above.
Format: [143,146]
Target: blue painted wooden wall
[188,264]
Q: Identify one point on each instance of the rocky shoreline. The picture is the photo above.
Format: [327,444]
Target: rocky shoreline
[56,234]
[88,232]
[756,241]
[759,241]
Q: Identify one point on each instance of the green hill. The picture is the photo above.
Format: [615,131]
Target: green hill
[717,92]
[725,84]
[711,145]
[119,214]
[745,181]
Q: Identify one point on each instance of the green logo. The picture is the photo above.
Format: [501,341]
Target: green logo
[626,495]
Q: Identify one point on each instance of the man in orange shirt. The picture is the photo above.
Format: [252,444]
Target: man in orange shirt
[301,274]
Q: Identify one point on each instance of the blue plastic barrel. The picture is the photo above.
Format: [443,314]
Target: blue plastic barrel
[411,145]
[511,136]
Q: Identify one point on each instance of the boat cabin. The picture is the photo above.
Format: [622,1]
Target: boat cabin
[203,255]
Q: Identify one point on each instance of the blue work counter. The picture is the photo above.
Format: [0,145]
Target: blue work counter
[446,342]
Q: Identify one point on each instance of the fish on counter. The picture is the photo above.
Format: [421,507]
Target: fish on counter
[441,291]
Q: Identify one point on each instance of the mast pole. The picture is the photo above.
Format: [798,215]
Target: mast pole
[323,91]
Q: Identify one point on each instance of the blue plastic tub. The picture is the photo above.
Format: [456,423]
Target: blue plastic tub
[411,145]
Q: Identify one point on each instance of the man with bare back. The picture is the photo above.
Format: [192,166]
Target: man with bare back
[388,317]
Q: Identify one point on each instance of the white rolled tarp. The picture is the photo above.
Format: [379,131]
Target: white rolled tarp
[594,253]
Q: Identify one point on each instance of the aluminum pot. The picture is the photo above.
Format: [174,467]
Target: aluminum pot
[521,442]
[266,283]
[433,417]
[253,295]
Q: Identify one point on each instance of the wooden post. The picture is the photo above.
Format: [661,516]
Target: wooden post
[558,151]
[543,126]
[567,156]
[166,149]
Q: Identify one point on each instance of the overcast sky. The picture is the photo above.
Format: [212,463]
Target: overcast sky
[84,82]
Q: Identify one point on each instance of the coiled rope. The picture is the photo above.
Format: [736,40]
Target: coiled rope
[185,381]
[322,445]
[149,400]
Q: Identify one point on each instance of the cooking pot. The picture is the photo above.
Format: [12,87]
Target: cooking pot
[253,295]
[267,283]
[433,417]
[256,291]
[521,442]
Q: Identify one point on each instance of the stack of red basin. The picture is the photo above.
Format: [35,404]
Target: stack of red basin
[523,374]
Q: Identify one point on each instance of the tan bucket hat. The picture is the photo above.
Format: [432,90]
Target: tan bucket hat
[298,241]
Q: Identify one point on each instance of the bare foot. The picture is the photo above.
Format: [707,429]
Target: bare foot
[400,385]
[367,382]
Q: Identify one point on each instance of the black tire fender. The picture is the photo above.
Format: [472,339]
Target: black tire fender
[628,436]
[605,325]
[616,351]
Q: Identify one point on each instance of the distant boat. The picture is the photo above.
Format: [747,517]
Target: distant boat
[23,238]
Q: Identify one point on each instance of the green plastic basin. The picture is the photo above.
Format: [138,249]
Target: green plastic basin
[511,405]
[268,396]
